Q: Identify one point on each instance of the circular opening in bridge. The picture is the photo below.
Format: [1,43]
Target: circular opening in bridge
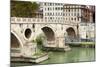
[49,33]
[14,41]
[28,33]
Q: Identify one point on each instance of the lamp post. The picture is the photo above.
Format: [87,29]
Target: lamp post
[86,32]
[78,31]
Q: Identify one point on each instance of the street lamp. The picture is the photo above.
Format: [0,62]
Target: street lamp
[78,31]
[86,32]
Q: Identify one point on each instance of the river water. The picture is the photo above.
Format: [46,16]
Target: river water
[76,54]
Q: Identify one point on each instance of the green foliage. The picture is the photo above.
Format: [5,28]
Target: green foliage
[39,40]
[23,9]
[39,53]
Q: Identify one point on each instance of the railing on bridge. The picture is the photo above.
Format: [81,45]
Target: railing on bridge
[39,20]
[25,20]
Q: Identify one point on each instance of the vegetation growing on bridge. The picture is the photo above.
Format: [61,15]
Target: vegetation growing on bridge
[40,42]
[23,9]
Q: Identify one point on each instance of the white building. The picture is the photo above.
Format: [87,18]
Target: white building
[72,13]
[87,31]
[52,12]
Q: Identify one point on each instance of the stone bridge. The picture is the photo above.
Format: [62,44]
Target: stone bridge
[25,30]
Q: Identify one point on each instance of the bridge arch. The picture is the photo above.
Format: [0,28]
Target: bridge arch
[15,37]
[71,32]
[49,33]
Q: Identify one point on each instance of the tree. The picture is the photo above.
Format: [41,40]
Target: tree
[23,9]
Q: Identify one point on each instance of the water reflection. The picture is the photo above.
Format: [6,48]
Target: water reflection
[75,55]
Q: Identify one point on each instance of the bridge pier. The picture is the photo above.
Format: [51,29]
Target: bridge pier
[58,44]
[29,49]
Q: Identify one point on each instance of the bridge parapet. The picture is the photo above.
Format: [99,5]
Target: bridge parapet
[39,20]
[25,20]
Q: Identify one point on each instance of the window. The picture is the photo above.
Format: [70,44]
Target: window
[45,9]
[56,8]
[65,14]
[75,10]
[71,18]
[48,9]
[69,14]
[58,3]
[55,3]
[61,8]
[75,19]
[78,18]
[56,14]
[50,4]
[74,14]
[48,14]
[45,4]
[45,17]
[77,14]
[51,18]
[69,10]
[66,18]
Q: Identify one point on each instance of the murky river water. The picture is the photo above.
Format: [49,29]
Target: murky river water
[75,55]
